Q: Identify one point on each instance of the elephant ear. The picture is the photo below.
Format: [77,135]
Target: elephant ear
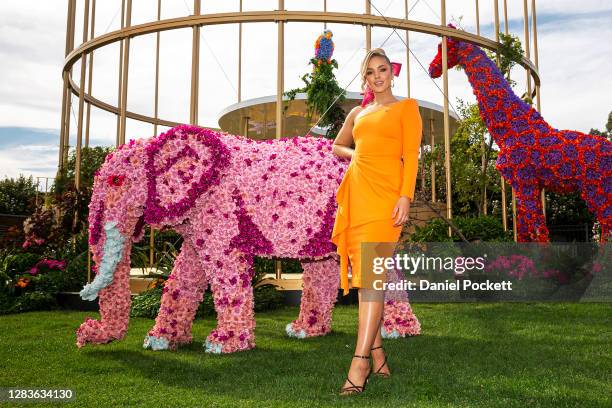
[182,164]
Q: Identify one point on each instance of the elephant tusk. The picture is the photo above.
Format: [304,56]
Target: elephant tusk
[113,252]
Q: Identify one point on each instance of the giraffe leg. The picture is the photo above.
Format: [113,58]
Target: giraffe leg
[182,294]
[319,294]
[233,297]
[531,225]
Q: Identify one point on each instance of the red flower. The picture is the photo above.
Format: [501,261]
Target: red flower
[115,180]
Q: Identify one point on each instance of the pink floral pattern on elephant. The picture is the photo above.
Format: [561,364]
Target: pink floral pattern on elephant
[231,198]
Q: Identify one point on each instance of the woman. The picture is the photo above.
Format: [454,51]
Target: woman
[374,199]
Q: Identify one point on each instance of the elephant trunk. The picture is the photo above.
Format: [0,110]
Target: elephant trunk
[113,276]
[112,253]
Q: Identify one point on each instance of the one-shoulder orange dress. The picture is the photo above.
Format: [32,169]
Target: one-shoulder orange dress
[383,168]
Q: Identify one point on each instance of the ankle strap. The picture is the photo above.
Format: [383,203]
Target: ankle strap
[374,348]
[357,355]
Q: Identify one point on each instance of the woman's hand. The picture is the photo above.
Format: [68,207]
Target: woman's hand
[401,211]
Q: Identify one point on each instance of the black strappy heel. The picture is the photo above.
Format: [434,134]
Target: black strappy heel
[377,372]
[356,389]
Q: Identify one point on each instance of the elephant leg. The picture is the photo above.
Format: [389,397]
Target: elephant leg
[319,293]
[233,298]
[398,319]
[114,303]
[182,294]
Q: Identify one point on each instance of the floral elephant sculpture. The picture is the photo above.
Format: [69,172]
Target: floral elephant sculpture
[231,198]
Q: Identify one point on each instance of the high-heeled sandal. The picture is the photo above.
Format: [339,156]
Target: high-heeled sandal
[377,372]
[356,389]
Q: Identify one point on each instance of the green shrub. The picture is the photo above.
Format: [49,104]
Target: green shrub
[35,300]
[17,263]
[147,303]
[17,196]
[483,228]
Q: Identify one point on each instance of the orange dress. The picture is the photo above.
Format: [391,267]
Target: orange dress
[383,168]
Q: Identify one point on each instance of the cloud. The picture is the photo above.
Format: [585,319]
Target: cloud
[573,43]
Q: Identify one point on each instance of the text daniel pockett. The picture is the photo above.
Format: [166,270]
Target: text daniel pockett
[424,284]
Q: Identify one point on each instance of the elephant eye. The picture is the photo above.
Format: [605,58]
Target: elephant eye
[115,180]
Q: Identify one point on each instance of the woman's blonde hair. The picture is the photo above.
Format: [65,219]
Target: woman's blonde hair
[375,52]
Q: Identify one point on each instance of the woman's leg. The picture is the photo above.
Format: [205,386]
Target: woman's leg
[371,301]
[378,355]
[370,315]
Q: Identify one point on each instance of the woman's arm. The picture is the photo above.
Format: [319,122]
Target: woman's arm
[344,139]
[411,141]
[412,131]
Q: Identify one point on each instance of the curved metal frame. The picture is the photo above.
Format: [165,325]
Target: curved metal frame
[256,17]
[280,15]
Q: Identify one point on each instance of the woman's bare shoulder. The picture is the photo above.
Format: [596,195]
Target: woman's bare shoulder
[354,112]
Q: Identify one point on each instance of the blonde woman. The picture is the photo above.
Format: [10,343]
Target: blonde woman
[374,199]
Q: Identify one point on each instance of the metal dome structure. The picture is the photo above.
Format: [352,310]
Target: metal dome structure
[264,117]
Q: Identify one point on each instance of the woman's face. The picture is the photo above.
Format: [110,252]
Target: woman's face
[379,74]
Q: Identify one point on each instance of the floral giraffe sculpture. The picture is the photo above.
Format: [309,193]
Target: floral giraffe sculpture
[532,154]
[231,198]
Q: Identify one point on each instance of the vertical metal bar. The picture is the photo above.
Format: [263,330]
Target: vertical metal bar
[527,51]
[514,215]
[433,159]
[156,116]
[69,104]
[477,19]
[407,10]
[534,30]
[88,264]
[280,76]
[506,17]
[156,101]
[65,90]
[447,152]
[119,86]
[245,130]
[79,140]
[126,71]
[503,204]
[535,48]
[195,67]
[324,11]
[90,72]
[368,11]
[280,73]
[37,188]
[265,121]
[496,19]
[240,59]
[502,181]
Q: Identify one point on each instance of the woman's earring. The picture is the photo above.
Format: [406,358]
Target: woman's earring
[392,84]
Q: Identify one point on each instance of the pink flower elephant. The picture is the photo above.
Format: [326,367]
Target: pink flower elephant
[231,198]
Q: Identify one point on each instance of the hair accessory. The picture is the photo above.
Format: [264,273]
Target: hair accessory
[368,94]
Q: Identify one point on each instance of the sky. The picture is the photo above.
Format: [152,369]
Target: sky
[574,50]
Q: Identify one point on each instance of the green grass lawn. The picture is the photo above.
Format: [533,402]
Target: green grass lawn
[471,355]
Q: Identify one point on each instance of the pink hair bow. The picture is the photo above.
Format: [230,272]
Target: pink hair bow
[368,95]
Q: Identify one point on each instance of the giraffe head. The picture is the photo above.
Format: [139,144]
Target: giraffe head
[452,52]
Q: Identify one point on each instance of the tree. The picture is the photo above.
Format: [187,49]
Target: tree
[17,196]
[321,91]
[608,132]
[92,159]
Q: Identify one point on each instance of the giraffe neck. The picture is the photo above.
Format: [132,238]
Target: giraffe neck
[503,112]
